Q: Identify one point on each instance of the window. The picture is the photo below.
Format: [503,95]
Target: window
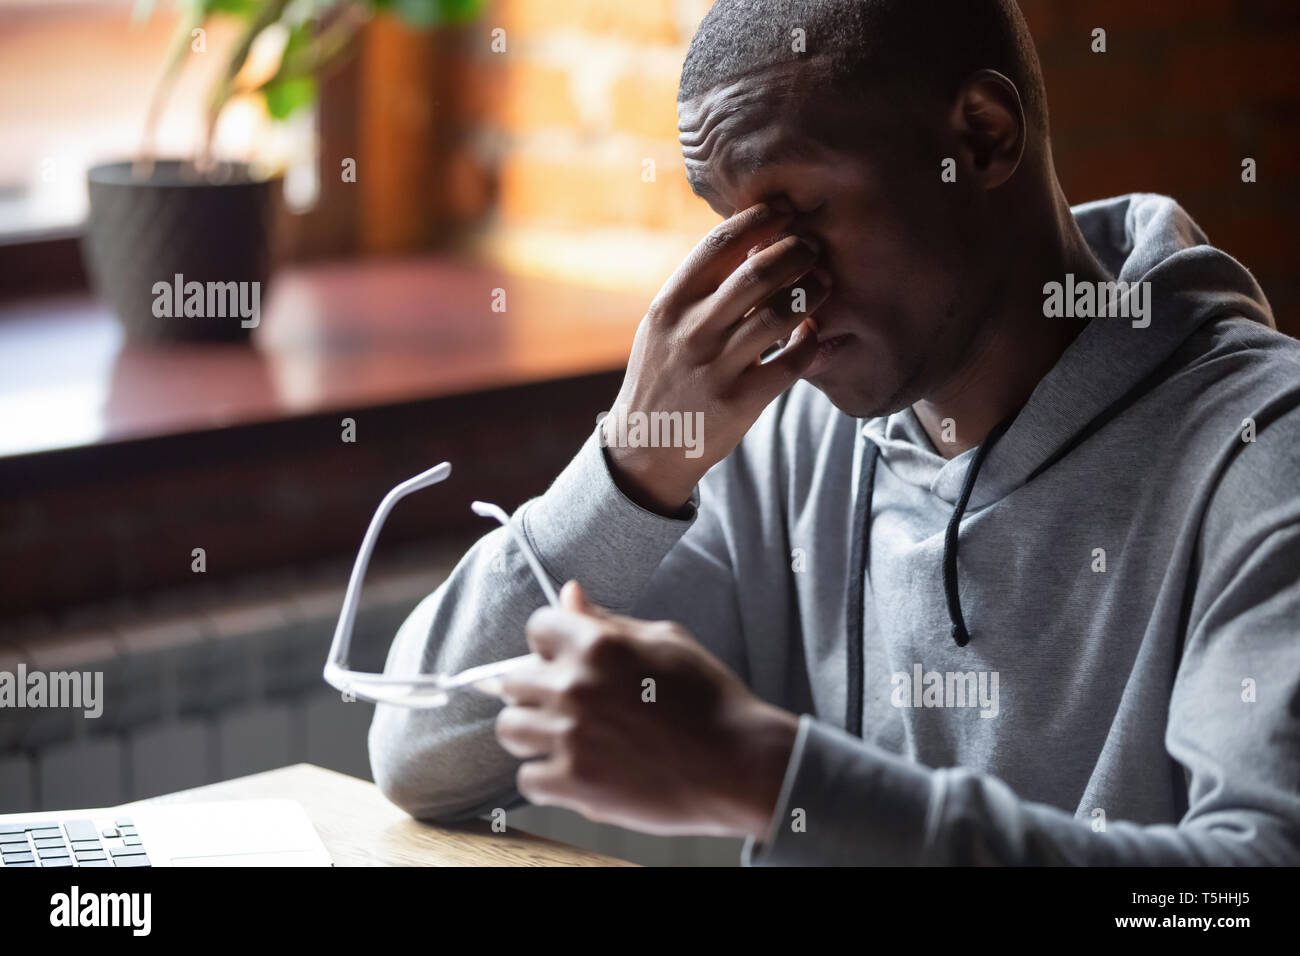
[76,79]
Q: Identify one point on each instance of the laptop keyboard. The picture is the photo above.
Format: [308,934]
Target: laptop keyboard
[72,843]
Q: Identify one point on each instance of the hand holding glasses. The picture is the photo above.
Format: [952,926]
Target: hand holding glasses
[420,690]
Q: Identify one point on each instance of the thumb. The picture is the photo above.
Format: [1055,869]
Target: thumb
[781,372]
[574,598]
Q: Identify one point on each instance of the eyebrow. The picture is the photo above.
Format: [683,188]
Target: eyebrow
[785,151]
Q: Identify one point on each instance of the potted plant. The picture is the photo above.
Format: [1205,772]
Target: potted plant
[180,248]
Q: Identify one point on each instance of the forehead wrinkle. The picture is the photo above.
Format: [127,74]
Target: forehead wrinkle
[731,121]
[742,156]
[714,123]
[778,89]
[713,149]
[727,119]
[698,117]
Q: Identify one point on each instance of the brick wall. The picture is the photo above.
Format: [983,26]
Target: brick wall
[565,122]
[586,91]
[1185,91]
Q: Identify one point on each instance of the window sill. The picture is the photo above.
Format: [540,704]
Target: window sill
[120,460]
[333,339]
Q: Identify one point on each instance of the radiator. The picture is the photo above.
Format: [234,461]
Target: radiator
[220,681]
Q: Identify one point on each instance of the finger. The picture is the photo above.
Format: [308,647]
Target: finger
[578,602]
[776,319]
[770,379]
[528,732]
[536,685]
[759,278]
[551,631]
[719,253]
[546,783]
[574,598]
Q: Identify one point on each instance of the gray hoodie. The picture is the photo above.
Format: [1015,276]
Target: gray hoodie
[1092,659]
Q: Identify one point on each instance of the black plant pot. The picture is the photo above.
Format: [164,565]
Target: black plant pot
[212,230]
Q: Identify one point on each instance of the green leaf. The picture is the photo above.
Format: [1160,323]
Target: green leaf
[432,13]
[240,8]
[286,96]
[196,9]
[300,37]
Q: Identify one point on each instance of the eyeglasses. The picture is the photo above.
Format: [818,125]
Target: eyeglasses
[419,690]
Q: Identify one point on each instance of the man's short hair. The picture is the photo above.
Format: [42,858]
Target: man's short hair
[931,45]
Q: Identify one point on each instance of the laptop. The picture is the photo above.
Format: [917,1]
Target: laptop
[225,833]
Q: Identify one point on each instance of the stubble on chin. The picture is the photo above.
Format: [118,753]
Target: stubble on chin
[860,403]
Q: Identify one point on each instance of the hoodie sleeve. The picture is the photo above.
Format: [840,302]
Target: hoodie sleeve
[1233,731]
[446,763]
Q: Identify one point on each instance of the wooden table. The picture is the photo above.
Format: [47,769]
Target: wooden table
[361,828]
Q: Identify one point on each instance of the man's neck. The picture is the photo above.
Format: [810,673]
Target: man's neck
[1016,347]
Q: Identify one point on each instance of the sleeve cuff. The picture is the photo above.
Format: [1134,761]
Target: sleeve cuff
[585,528]
[861,806]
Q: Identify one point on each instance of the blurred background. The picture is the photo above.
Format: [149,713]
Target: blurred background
[472,204]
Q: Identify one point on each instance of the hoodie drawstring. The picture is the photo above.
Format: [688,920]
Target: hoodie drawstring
[857,588]
[959,633]
[854,606]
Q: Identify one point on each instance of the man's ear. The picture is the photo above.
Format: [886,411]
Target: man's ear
[988,120]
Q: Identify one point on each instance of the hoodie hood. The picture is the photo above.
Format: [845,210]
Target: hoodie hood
[1141,238]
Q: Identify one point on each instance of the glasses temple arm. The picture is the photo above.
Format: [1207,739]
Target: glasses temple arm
[338,658]
[543,579]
